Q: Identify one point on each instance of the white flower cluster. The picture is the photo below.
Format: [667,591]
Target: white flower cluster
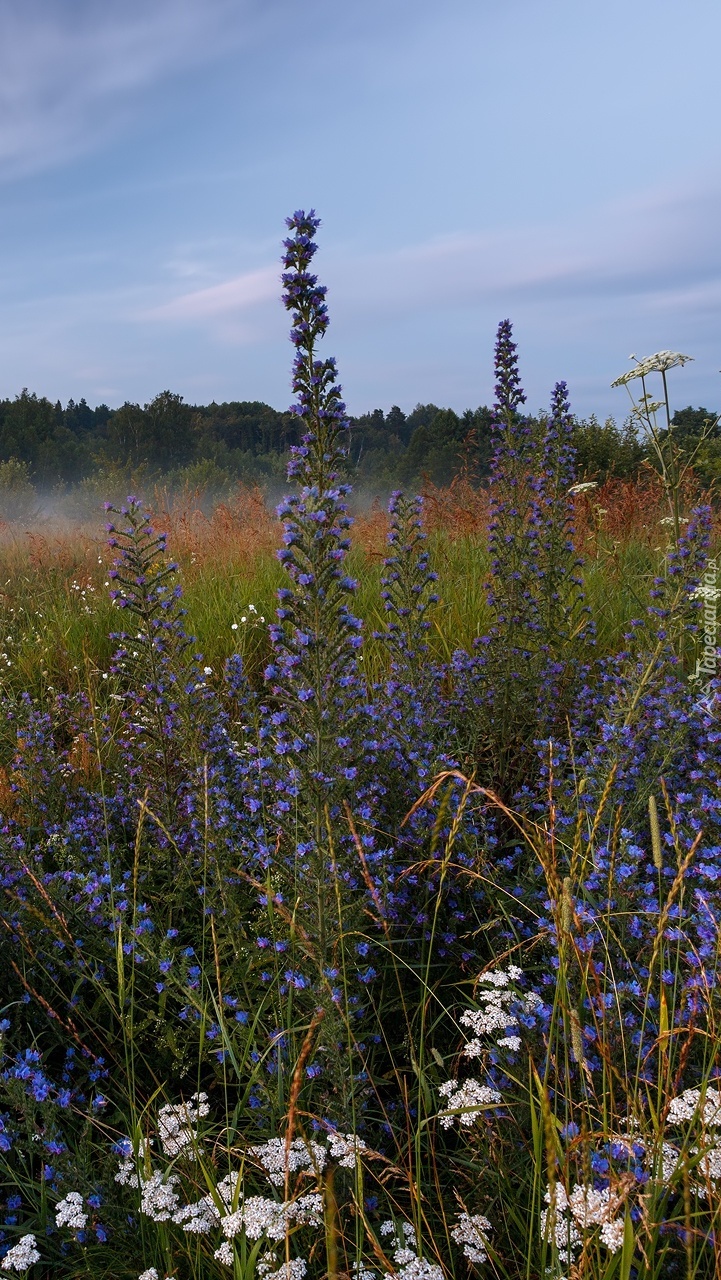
[126,1172]
[362,1272]
[22,1255]
[660,362]
[258,1216]
[570,1215]
[158,1198]
[229,1189]
[305,1154]
[612,1234]
[709,1164]
[467,1101]
[226,1208]
[301,1155]
[254,1215]
[472,1232]
[670,522]
[687,1106]
[670,1162]
[420,1269]
[405,1245]
[69,1212]
[176,1125]
[198,1218]
[585,486]
[293,1270]
[496,995]
[345,1148]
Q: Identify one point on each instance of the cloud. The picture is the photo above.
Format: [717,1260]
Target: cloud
[650,244]
[655,247]
[242,293]
[71,72]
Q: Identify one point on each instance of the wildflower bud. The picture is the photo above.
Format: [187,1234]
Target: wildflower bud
[655,834]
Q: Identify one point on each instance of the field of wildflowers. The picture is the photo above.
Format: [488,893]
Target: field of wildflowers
[375,948]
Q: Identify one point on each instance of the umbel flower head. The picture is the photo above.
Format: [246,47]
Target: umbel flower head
[657,363]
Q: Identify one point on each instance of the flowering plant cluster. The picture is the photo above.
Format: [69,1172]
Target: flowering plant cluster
[380,973]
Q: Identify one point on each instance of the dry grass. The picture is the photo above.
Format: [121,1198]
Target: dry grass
[55,613]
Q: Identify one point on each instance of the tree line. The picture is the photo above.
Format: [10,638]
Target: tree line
[215,445]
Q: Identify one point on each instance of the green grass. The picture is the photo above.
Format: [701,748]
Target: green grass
[56,615]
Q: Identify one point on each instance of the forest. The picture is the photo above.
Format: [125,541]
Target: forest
[215,446]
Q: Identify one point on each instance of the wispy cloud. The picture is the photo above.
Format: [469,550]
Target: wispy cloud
[643,269]
[71,72]
[649,244]
[655,245]
[242,293]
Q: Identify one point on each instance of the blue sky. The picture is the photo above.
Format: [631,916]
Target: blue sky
[548,160]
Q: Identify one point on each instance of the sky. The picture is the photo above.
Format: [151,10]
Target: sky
[550,161]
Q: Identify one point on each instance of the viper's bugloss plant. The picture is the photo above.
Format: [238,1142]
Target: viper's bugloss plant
[316,638]
[383,976]
[407,585]
[564,618]
[159,679]
[519,685]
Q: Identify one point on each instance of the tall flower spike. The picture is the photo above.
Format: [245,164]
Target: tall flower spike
[511,548]
[509,392]
[316,637]
[513,647]
[535,588]
[407,585]
[167,707]
[561,587]
[314,729]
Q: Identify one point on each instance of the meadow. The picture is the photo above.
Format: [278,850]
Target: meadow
[56,614]
[360,876]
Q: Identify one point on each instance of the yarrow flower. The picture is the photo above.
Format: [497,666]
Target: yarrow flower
[176,1125]
[293,1270]
[467,1101]
[69,1212]
[22,1256]
[300,1154]
[410,1265]
[159,1200]
[258,1216]
[224,1254]
[198,1218]
[501,1005]
[569,1216]
[687,1106]
[472,1233]
[345,1148]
